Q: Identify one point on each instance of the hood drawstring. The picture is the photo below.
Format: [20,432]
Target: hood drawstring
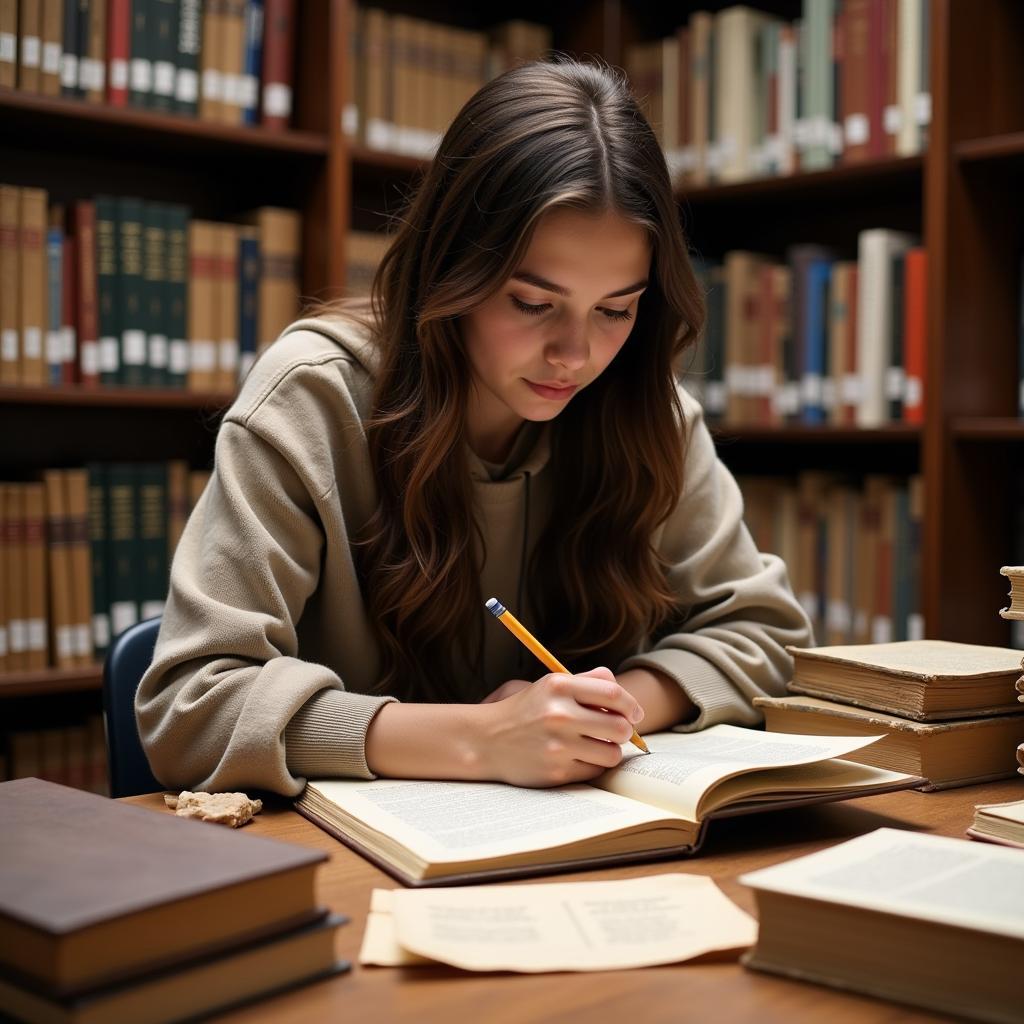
[522,567]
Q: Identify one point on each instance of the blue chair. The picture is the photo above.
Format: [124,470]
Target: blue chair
[127,660]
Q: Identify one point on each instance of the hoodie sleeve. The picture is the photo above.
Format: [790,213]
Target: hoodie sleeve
[739,609]
[227,703]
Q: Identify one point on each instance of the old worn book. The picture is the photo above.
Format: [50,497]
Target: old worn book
[927,680]
[200,986]
[92,891]
[920,919]
[999,823]
[956,752]
[1015,574]
[651,806]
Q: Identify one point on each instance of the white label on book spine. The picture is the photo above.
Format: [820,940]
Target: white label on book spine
[18,635]
[92,74]
[69,346]
[277,99]
[54,348]
[81,640]
[9,345]
[915,626]
[213,84]
[8,48]
[3,640]
[69,70]
[231,88]
[151,609]
[912,392]
[123,615]
[142,74]
[810,389]
[228,354]
[158,351]
[163,78]
[892,119]
[32,342]
[248,91]
[851,389]
[204,356]
[101,629]
[65,642]
[110,355]
[178,356]
[858,129]
[881,629]
[30,51]
[89,353]
[51,58]
[134,347]
[923,107]
[894,383]
[186,86]
[828,393]
[118,73]
[36,634]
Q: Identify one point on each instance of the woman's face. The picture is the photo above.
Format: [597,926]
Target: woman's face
[553,327]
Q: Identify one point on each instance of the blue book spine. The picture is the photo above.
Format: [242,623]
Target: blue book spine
[815,369]
[248,301]
[54,338]
[253,61]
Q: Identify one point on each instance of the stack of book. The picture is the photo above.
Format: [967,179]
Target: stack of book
[921,919]
[947,711]
[112,913]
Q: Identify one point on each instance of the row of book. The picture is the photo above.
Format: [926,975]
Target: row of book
[853,550]
[119,292]
[408,77]
[740,93]
[229,61]
[817,338]
[72,755]
[84,554]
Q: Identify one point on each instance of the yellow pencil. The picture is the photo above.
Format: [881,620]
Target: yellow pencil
[521,633]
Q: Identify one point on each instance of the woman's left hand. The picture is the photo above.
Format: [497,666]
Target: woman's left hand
[507,689]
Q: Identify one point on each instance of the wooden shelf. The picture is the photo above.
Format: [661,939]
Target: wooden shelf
[815,185]
[113,398]
[897,433]
[91,124]
[995,148]
[988,428]
[50,680]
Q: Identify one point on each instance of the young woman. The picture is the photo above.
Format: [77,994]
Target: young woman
[502,421]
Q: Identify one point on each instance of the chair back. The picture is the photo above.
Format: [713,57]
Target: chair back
[127,660]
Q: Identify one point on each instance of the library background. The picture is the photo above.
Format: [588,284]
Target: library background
[178,179]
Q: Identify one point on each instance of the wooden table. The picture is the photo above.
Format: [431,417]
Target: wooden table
[708,991]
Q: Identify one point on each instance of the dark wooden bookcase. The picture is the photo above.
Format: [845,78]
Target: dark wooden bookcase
[963,196]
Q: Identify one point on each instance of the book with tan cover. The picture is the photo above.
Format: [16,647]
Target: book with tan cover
[280,235]
[232,59]
[955,752]
[927,680]
[51,38]
[10,286]
[203,322]
[59,560]
[30,46]
[211,89]
[76,485]
[14,581]
[32,308]
[36,577]
[9,49]
[651,806]
[177,503]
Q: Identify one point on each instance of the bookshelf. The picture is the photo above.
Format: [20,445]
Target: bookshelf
[961,196]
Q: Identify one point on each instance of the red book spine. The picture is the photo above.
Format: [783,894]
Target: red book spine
[119,29]
[85,295]
[915,292]
[878,78]
[278,47]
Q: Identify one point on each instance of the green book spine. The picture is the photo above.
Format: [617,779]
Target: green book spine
[140,78]
[122,547]
[163,33]
[176,291]
[108,297]
[154,272]
[190,33]
[129,265]
[152,491]
[99,556]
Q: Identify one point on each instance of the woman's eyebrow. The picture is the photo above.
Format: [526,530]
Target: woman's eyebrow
[550,286]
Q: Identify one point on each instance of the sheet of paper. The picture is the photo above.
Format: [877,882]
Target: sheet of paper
[568,926]
[683,766]
[936,878]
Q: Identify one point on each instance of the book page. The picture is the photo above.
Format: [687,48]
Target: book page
[682,767]
[1012,811]
[447,822]
[933,878]
[569,926]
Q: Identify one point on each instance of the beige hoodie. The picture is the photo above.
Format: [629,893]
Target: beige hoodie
[265,664]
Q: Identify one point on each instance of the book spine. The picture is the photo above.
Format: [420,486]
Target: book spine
[250,92]
[92,68]
[176,291]
[163,34]
[190,34]
[10,286]
[72,47]
[68,318]
[8,43]
[895,373]
[129,265]
[248,298]
[36,625]
[278,49]
[54,350]
[51,35]
[177,503]
[76,483]
[61,616]
[211,87]
[152,531]
[85,293]
[227,305]
[233,61]
[915,333]
[30,44]
[123,574]
[154,286]
[202,317]
[32,235]
[119,39]
[99,557]
[143,44]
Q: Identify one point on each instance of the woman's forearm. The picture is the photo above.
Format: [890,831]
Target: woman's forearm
[663,700]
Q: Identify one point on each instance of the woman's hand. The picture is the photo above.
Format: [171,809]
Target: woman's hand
[507,689]
[562,728]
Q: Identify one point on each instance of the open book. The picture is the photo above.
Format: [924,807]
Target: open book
[651,806]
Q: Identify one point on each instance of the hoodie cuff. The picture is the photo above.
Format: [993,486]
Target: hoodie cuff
[709,689]
[326,738]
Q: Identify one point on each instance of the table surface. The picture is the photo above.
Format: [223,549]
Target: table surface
[716,991]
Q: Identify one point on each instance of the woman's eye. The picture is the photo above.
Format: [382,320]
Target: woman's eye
[530,310]
[617,314]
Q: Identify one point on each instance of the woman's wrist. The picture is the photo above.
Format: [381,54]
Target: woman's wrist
[664,701]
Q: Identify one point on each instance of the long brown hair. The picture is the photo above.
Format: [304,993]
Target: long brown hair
[540,136]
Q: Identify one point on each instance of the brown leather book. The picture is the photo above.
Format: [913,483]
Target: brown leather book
[280,233]
[855,91]
[14,578]
[32,246]
[76,490]
[92,72]
[30,47]
[51,38]
[9,51]
[211,89]
[278,58]
[227,305]
[36,577]
[84,214]
[59,559]
[232,60]
[177,503]
[202,305]
[10,289]
[93,891]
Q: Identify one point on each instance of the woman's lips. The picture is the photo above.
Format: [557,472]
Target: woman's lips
[555,394]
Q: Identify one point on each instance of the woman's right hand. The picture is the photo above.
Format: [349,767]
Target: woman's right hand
[563,728]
